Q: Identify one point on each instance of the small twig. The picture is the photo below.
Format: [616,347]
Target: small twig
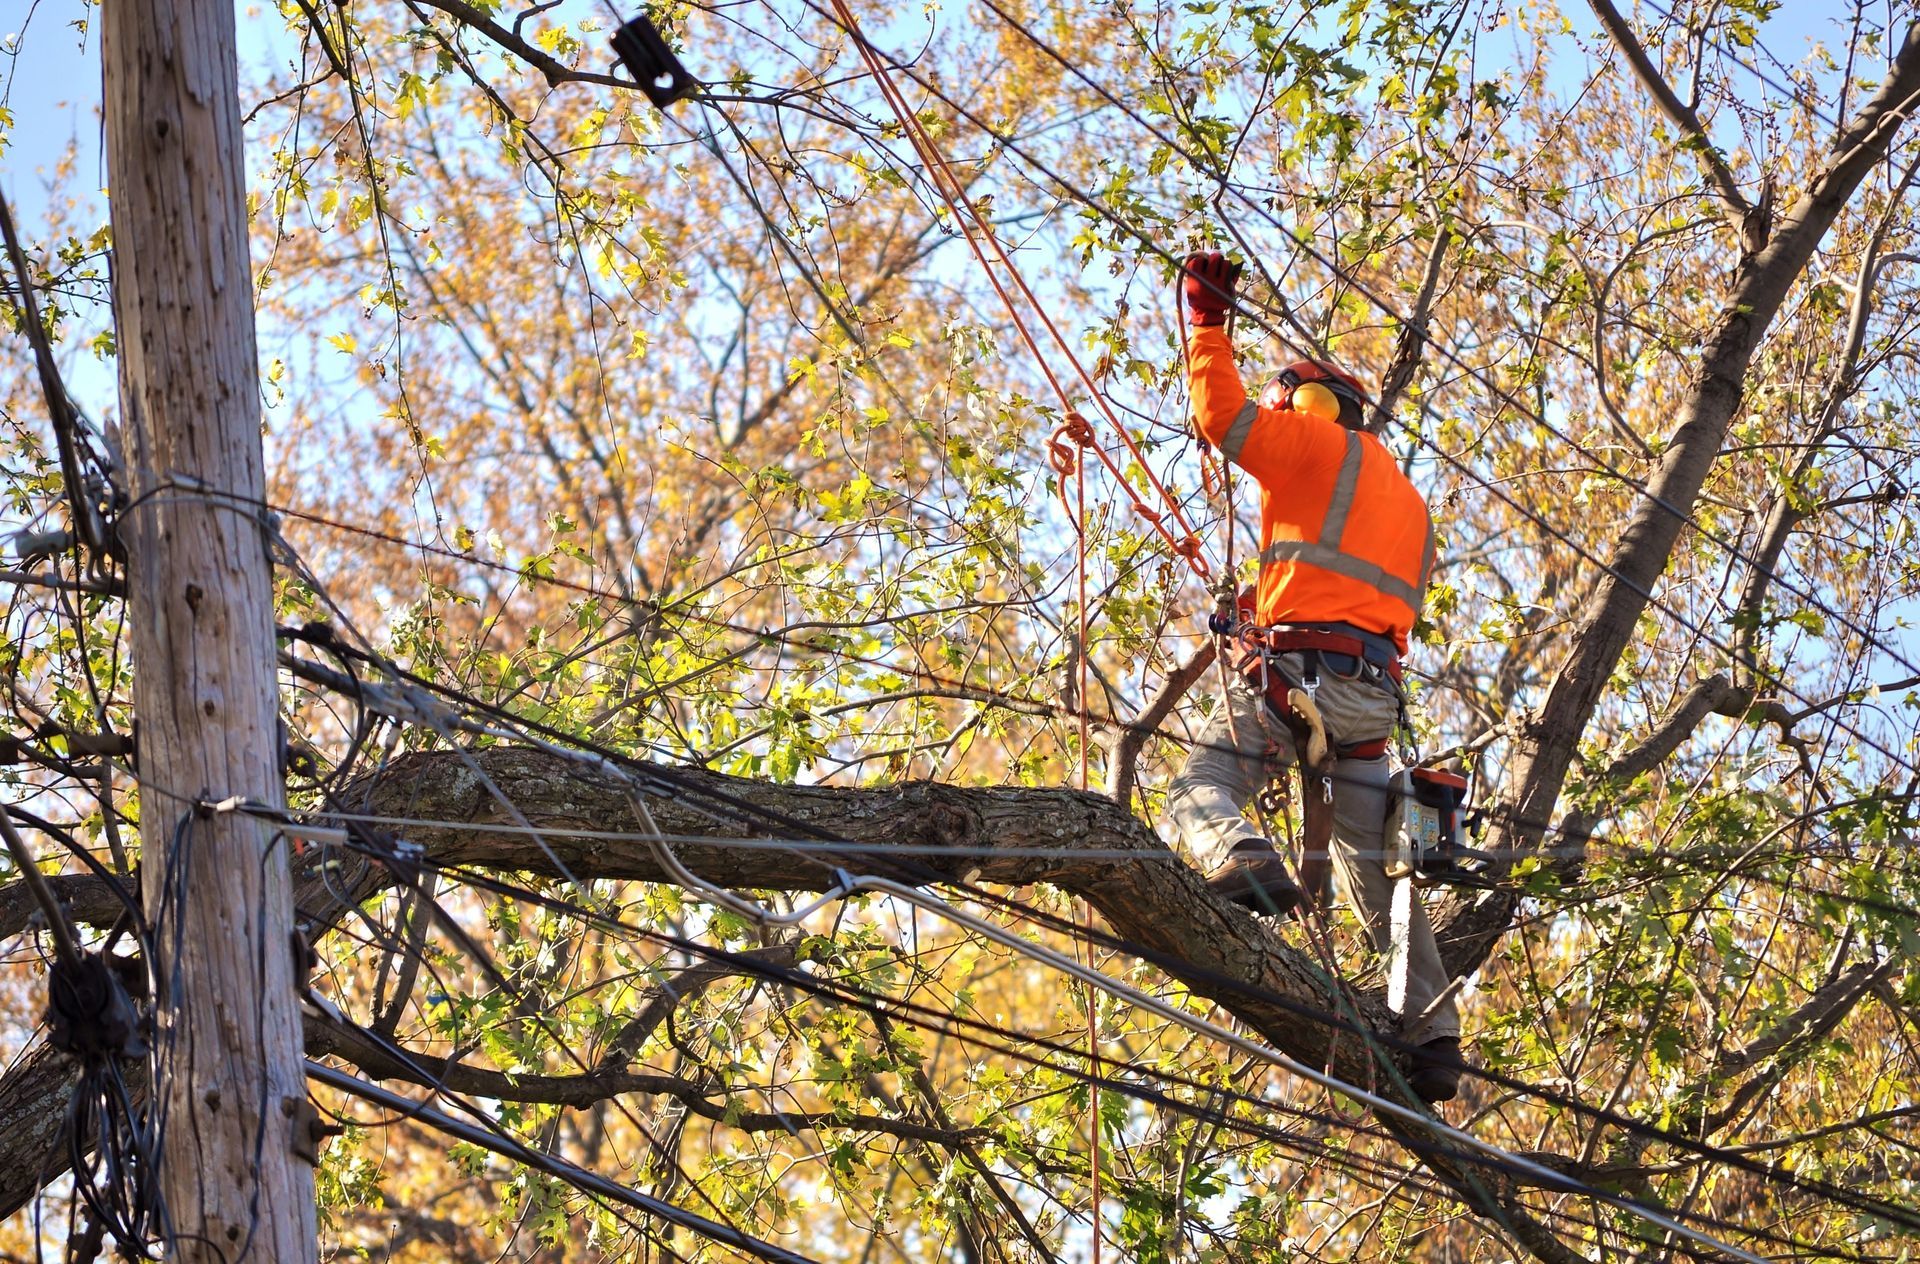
[47,579]
[294,91]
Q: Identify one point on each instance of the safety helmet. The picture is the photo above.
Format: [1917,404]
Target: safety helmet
[1320,389]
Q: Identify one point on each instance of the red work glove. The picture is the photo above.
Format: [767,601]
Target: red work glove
[1207,281]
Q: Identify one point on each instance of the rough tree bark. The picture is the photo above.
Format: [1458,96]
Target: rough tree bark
[200,601]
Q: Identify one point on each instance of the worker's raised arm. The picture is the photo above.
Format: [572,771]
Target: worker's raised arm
[1213,383]
[1258,441]
[1213,380]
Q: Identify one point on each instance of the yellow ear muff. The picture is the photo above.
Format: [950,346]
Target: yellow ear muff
[1317,401]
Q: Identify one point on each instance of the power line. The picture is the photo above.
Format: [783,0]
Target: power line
[1381,304]
[963,691]
[612,763]
[849,993]
[506,1146]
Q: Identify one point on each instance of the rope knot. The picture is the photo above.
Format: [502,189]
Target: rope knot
[1187,546]
[1060,454]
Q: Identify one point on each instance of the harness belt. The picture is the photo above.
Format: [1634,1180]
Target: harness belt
[1315,751]
[1329,638]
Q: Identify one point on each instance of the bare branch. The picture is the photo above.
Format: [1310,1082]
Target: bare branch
[1707,697]
[672,993]
[556,72]
[1413,334]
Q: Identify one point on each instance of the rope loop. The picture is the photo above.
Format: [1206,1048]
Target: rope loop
[1063,456]
[1212,481]
[1060,453]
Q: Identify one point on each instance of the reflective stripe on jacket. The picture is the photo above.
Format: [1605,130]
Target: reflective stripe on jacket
[1344,536]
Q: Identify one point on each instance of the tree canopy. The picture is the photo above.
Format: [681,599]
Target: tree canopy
[729,707]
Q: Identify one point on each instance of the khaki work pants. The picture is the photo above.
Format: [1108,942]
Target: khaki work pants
[1231,762]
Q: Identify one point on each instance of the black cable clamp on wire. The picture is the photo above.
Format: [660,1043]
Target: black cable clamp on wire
[655,70]
[89,1013]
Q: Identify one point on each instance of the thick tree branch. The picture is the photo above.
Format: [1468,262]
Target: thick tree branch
[86,899]
[440,801]
[556,72]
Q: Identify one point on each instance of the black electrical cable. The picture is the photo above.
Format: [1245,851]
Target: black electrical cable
[1087,200]
[732,807]
[736,804]
[1320,1017]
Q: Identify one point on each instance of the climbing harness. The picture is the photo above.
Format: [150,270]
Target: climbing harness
[1427,819]
[1347,652]
[1291,700]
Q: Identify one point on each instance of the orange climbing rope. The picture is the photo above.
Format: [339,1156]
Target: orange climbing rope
[1186,543]
[1064,456]
[1065,459]
[1074,432]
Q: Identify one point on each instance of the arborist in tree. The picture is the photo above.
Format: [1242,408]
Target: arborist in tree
[1346,547]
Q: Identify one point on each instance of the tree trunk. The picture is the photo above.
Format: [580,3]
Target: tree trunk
[217,891]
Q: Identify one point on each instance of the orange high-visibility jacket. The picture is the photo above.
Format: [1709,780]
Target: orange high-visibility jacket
[1344,536]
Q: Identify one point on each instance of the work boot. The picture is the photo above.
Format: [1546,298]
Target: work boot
[1437,1065]
[1255,877]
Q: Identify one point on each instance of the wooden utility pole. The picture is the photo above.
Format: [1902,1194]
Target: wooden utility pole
[232,1082]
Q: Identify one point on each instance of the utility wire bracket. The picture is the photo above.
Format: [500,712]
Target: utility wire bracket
[656,71]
